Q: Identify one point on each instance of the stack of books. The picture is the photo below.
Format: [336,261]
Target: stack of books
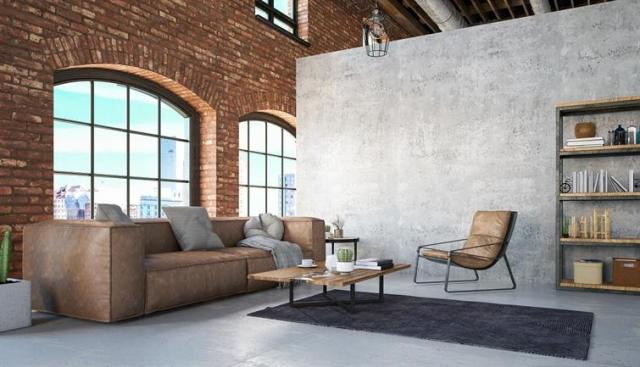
[585,142]
[374,264]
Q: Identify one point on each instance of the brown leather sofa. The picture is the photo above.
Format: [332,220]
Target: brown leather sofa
[107,272]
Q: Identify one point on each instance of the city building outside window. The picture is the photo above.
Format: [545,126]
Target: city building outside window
[267,168]
[121,144]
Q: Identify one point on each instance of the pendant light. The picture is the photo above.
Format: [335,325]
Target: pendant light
[374,36]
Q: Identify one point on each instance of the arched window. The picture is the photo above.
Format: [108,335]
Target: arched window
[120,140]
[267,166]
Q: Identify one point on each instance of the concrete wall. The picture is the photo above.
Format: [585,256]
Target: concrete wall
[408,146]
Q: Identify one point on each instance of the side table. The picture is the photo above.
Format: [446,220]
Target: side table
[353,240]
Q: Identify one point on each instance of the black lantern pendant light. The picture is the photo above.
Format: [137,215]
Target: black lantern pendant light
[374,36]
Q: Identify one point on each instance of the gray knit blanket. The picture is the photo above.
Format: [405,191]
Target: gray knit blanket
[285,254]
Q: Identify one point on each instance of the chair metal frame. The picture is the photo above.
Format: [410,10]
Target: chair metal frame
[449,262]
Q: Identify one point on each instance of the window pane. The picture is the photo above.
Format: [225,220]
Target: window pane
[71,197]
[174,159]
[283,25]
[144,111]
[274,171]
[143,156]
[289,144]
[243,134]
[274,201]
[72,101]
[257,136]
[174,123]
[289,173]
[243,168]
[289,203]
[274,139]
[174,194]
[285,6]
[110,154]
[242,202]
[262,13]
[71,147]
[144,199]
[256,201]
[110,104]
[257,169]
[110,191]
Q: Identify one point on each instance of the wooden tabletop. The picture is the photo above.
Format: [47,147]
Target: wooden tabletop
[334,280]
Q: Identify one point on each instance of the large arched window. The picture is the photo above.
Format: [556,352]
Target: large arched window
[119,140]
[267,166]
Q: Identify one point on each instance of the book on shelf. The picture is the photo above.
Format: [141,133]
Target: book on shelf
[374,262]
[593,181]
[585,142]
[373,267]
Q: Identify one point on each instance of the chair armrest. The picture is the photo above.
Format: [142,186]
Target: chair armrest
[86,269]
[438,243]
[306,232]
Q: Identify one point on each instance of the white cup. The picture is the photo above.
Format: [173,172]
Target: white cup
[307,262]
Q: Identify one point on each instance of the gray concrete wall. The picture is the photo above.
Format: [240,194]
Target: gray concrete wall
[408,146]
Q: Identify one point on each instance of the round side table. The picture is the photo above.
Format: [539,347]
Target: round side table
[353,240]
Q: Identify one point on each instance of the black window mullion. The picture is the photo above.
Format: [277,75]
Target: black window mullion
[248,168]
[159,178]
[282,192]
[92,150]
[266,177]
[128,154]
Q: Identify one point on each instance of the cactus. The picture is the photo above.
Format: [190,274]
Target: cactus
[345,255]
[5,256]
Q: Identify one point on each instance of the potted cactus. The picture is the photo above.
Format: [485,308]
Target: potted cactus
[345,260]
[15,295]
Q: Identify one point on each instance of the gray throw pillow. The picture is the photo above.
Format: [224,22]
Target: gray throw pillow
[113,213]
[266,224]
[192,228]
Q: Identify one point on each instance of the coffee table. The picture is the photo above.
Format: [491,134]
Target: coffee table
[290,275]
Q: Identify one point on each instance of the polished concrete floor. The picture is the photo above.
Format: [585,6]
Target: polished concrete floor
[220,334]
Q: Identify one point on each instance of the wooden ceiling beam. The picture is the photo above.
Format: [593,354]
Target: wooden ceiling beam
[480,12]
[424,17]
[463,11]
[401,15]
[495,11]
[526,10]
[508,6]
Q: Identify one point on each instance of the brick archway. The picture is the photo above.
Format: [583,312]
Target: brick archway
[280,106]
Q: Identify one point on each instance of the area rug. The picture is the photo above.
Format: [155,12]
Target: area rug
[545,331]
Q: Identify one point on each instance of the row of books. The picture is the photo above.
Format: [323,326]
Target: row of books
[374,264]
[594,181]
[586,142]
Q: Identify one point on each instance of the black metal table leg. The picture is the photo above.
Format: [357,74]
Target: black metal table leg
[355,250]
[381,288]
[291,283]
[332,248]
[324,289]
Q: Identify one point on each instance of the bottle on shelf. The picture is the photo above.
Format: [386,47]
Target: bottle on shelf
[619,136]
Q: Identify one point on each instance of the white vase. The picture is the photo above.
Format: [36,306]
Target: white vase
[346,267]
[15,305]
[330,262]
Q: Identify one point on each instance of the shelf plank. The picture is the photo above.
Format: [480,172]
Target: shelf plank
[600,196]
[568,283]
[600,242]
[631,149]
[598,102]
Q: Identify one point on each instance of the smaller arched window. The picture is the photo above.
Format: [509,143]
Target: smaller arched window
[267,166]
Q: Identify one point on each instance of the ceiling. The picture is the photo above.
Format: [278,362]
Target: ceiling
[410,16]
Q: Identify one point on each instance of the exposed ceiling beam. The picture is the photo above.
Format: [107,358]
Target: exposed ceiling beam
[495,11]
[443,13]
[463,10]
[480,12]
[400,14]
[424,18]
[540,6]
[509,8]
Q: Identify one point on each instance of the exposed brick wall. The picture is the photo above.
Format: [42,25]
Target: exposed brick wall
[214,54]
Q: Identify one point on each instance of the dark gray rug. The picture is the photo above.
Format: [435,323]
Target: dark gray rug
[545,331]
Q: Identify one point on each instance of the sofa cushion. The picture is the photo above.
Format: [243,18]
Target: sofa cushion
[460,258]
[181,278]
[192,228]
[158,236]
[112,213]
[230,230]
[265,224]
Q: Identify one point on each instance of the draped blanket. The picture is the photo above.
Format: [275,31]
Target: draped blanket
[286,254]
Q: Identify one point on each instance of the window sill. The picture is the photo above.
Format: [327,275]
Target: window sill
[284,32]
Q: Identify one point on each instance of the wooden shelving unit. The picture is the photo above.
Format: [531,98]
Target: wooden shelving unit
[591,108]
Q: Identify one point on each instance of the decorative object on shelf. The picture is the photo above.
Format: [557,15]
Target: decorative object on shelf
[331,262]
[5,257]
[626,272]
[585,130]
[632,134]
[573,228]
[619,136]
[374,37]
[565,187]
[566,225]
[327,231]
[345,260]
[601,225]
[583,227]
[596,226]
[338,223]
[587,271]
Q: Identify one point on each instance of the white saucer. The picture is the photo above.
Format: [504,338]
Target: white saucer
[308,267]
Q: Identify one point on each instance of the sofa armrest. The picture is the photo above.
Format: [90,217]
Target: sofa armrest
[306,232]
[86,269]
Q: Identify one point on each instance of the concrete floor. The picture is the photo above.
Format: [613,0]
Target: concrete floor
[220,334]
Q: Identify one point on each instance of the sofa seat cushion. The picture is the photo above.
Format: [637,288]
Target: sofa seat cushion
[176,279]
[459,258]
[246,252]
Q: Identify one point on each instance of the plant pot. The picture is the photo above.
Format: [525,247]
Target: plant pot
[585,130]
[338,233]
[331,262]
[15,304]
[344,267]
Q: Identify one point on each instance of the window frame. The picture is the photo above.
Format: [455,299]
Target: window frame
[267,119]
[144,85]
[273,14]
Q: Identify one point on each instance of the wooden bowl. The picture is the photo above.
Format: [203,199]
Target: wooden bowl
[585,130]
